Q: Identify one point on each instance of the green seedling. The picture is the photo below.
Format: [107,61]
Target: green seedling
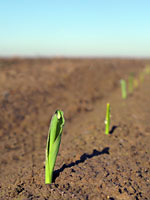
[141,77]
[147,69]
[107,120]
[123,89]
[131,77]
[135,83]
[53,143]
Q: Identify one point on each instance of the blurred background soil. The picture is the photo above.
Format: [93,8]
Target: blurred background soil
[90,165]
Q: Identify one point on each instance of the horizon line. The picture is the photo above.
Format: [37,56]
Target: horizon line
[73,56]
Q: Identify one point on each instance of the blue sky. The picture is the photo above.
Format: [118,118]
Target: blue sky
[75,28]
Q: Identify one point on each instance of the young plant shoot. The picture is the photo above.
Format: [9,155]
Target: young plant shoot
[135,83]
[123,89]
[107,120]
[142,77]
[53,143]
[147,69]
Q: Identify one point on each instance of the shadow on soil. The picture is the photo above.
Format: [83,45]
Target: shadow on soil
[84,157]
[113,129]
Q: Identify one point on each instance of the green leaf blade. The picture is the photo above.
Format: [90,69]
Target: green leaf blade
[53,143]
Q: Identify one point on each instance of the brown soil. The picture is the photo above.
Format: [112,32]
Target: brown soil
[90,165]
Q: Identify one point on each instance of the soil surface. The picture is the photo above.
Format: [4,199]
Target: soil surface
[90,165]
